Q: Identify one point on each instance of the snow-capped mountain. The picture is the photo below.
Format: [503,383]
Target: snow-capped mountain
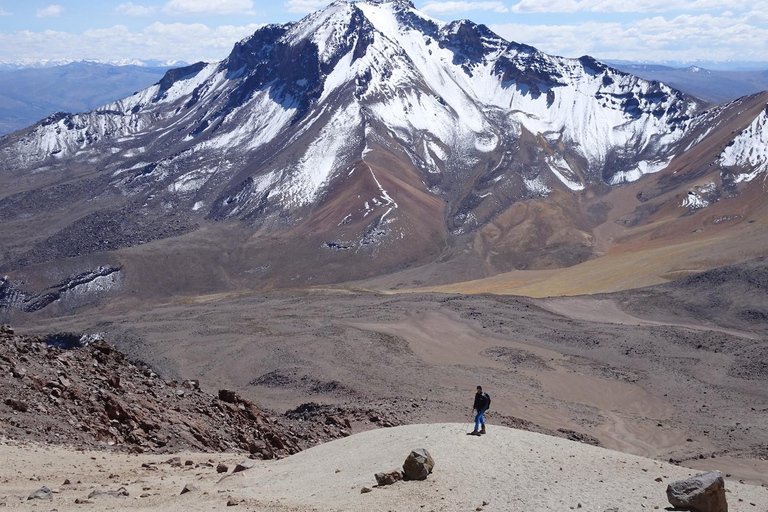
[364,125]
[307,100]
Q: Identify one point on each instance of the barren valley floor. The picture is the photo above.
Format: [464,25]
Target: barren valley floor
[684,389]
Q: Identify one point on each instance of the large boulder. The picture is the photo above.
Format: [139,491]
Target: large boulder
[418,465]
[700,493]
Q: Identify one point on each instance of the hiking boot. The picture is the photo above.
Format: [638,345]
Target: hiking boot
[473,433]
[482,430]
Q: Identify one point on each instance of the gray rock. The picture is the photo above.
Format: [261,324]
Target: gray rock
[42,493]
[246,464]
[119,493]
[189,488]
[701,493]
[222,468]
[389,478]
[418,465]
[17,405]
[365,490]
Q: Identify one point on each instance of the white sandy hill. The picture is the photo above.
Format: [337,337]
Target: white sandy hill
[510,469]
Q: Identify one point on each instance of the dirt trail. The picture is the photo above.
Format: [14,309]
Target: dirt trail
[607,311]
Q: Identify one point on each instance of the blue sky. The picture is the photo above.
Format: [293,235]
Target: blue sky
[191,30]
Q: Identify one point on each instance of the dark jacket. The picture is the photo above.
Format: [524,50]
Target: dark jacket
[481,402]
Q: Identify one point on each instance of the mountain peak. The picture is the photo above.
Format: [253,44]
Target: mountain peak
[400,3]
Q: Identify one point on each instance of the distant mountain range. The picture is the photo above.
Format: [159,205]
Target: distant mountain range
[30,93]
[368,139]
[714,65]
[713,85]
[50,63]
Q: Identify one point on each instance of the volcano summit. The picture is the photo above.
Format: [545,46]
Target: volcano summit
[367,139]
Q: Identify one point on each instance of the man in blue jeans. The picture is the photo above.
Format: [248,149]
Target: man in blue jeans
[482,402]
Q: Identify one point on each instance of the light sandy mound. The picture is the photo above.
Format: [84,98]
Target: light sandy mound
[510,469]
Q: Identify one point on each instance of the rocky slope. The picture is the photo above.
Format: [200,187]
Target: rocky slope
[80,392]
[361,140]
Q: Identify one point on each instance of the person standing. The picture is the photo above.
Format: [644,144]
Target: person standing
[482,403]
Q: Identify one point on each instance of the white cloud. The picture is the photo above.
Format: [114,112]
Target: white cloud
[173,41]
[131,9]
[570,6]
[758,13]
[208,7]
[3,12]
[305,6]
[685,37]
[51,11]
[444,8]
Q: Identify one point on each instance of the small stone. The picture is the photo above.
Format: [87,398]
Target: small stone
[119,493]
[242,466]
[17,405]
[228,396]
[42,493]
[79,501]
[388,478]
[189,488]
[365,490]
[231,502]
[222,468]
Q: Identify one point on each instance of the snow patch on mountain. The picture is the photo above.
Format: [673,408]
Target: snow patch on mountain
[749,150]
[700,197]
[536,186]
[323,156]
[564,173]
[643,168]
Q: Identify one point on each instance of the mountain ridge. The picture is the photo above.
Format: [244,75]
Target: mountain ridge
[370,138]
